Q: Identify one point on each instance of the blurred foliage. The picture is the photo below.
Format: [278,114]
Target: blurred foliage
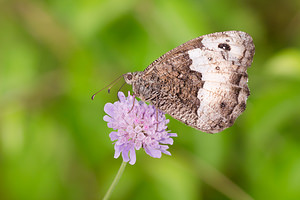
[54,144]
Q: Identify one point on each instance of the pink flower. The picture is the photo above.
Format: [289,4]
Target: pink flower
[137,126]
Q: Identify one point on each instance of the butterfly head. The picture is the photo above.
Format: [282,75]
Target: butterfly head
[130,77]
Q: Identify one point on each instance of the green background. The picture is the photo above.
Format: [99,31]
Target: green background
[54,54]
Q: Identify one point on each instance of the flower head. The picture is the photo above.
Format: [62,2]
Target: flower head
[137,126]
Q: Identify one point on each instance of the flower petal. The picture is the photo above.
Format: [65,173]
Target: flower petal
[166,141]
[125,155]
[113,136]
[109,109]
[132,156]
[172,134]
[107,118]
[118,149]
[164,148]
[166,152]
[153,152]
[121,96]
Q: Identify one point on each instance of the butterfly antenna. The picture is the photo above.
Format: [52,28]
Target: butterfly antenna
[109,85]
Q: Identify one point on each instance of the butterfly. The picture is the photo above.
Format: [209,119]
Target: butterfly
[202,83]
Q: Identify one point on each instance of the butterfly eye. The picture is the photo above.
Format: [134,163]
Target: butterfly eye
[129,77]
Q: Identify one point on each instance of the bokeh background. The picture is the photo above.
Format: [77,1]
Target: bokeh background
[54,144]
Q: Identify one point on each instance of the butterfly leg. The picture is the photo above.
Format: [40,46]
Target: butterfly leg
[156,112]
[133,95]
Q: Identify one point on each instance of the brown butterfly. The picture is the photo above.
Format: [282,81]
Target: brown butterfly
[202,83]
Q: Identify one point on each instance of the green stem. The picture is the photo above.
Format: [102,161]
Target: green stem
[115,182]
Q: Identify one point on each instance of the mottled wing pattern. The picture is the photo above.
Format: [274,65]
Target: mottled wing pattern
[202,82]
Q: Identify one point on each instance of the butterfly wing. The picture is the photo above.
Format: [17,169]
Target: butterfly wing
[202,82]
